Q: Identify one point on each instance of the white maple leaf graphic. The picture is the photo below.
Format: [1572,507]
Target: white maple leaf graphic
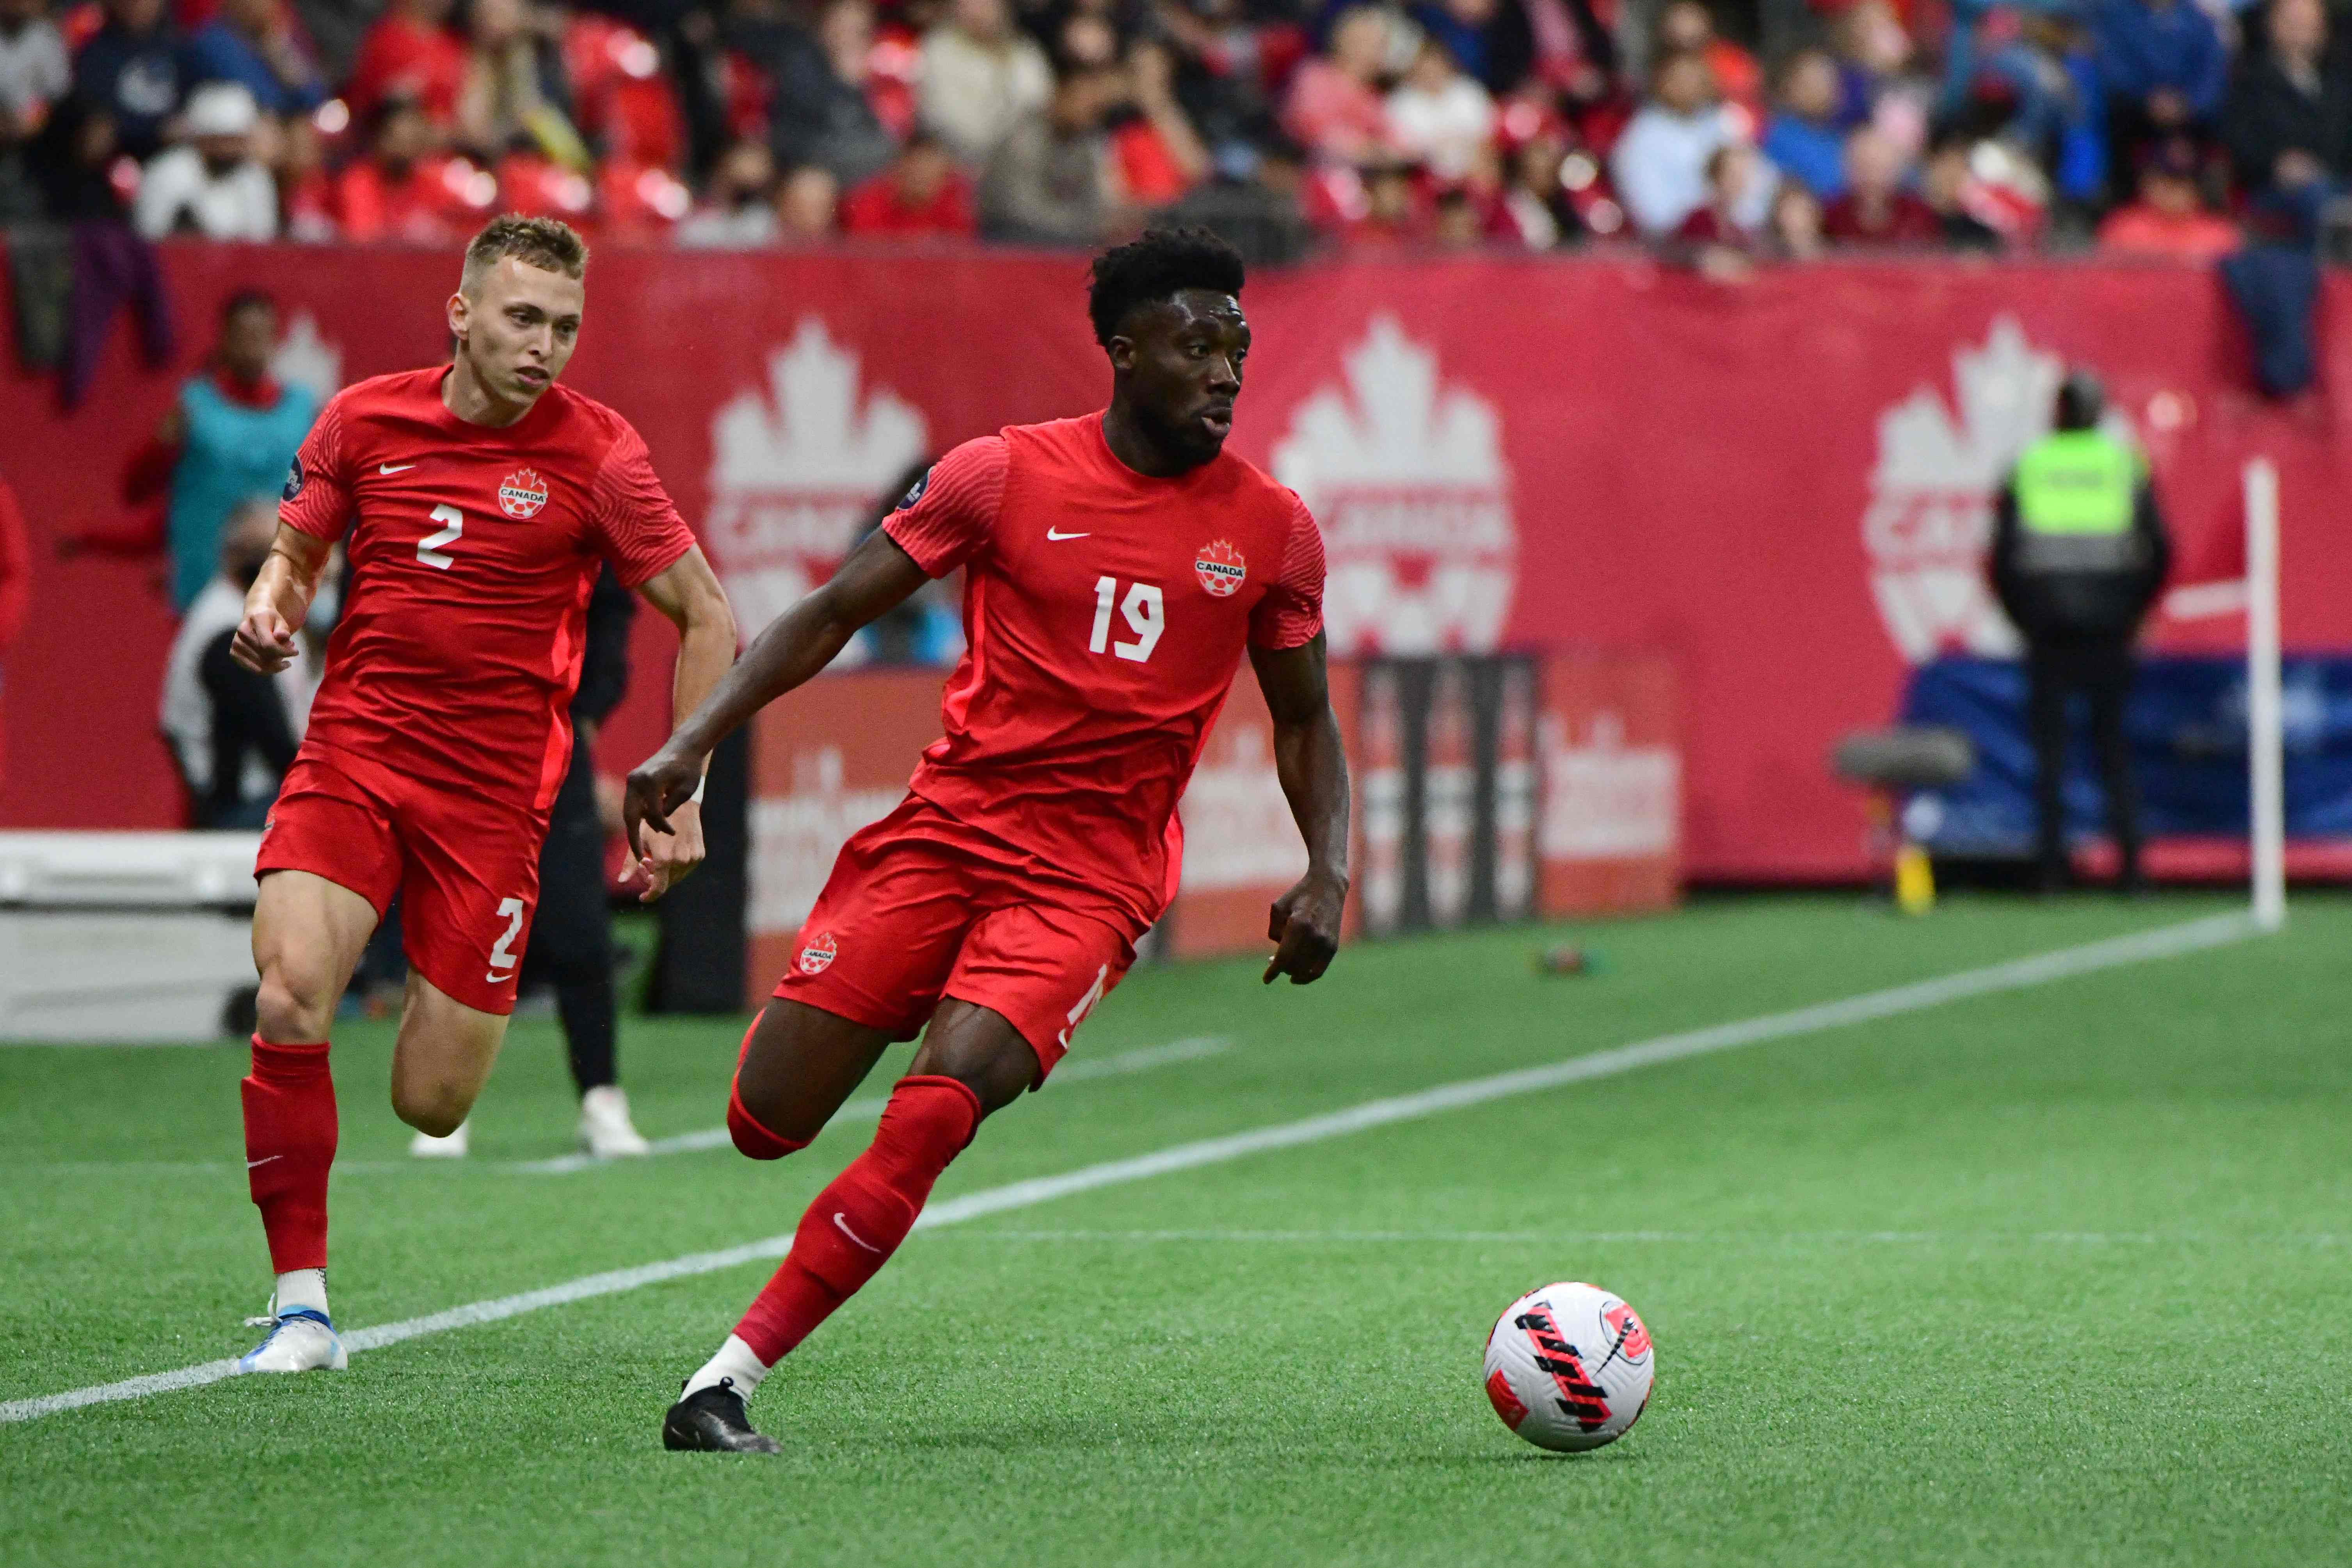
[306,359]
[796,465]
[1407,481]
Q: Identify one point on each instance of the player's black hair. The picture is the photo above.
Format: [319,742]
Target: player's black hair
[1162,264]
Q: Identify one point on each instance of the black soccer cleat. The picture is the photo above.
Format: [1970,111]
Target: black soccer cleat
[714,1421]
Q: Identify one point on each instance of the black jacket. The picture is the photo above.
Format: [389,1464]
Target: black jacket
[2267,114]
[2079,605]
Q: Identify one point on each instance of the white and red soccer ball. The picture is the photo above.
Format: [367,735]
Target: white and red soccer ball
[1568,1367]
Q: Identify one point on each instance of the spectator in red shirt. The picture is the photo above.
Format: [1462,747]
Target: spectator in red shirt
[1875,208]
[2170,218]
[404,190]
[411,53]
[921,192]
[1336,111]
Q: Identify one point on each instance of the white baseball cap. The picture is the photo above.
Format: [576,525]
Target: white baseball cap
[221,108]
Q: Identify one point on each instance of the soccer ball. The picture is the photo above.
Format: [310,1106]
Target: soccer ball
[1568,1367]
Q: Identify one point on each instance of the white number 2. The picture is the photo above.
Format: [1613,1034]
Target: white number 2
[510,911]
[1145,611]
[429,551]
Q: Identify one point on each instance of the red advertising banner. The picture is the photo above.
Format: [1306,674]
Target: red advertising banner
[1780,486]
[1611,770]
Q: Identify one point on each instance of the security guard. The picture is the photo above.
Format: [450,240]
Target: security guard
[2079,554]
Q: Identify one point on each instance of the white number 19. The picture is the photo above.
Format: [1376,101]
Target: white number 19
[428,548]
[1145,613]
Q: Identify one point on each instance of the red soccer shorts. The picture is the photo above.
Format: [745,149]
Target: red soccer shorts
[905,919]
[466,868]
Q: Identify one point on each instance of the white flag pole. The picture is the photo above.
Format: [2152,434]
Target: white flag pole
[2266,725]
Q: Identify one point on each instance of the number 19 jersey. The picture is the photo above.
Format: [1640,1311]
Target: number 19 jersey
[1106,614]
[473,551]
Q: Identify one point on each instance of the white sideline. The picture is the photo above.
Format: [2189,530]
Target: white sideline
[1144,1060]
[2166,942]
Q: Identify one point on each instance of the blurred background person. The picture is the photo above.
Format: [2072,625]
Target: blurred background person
[1660,162]
[212,184]
[233,733]
[808,205]
[1335,109]
[230,436]
[33,75]
[2288,120]
[921,195]
[254,44]
[1803,136]
[981,77]
[2079,555]
[2168,216]
[1439,116]
[1052,180]
[738,210]
[1877,209]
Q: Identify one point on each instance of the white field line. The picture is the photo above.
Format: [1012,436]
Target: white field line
[1734,1239]
[2166,942]
[1145,1059]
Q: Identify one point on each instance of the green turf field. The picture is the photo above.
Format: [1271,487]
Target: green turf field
[2052,1276]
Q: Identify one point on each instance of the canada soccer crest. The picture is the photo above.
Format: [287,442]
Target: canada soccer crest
[522,494]
[819,954]
[1221,568]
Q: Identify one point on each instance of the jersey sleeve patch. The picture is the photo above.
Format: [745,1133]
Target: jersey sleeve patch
[317,498]
[946,518]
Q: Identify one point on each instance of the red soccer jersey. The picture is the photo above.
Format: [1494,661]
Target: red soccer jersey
[1106,614]
[473,551]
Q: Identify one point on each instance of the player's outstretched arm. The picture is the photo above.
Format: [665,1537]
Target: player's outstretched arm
[877,576]
[687,594]
[1313,767]
[279,601]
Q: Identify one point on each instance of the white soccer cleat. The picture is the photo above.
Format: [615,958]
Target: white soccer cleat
[299,1339]
[606,1130]
[425,1146]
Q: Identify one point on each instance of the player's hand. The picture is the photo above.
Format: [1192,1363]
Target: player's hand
[656,787]
[667,860]
[264,642]
[1305,928]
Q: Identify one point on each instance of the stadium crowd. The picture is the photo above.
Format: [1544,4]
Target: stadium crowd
[2139,125]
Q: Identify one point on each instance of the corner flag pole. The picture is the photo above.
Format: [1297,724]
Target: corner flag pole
[2266,725]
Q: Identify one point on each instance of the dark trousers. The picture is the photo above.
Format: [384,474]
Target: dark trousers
[571,935]
[2102,672]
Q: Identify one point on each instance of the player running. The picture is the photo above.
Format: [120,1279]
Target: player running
[1116,567]
[480,500]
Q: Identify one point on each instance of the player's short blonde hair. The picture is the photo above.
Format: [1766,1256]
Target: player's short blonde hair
[547,243]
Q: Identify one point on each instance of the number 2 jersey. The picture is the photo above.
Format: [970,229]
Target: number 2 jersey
[1106,614]
[473,551]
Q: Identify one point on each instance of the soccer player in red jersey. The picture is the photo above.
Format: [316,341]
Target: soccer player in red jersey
[478,500]
[1117,567]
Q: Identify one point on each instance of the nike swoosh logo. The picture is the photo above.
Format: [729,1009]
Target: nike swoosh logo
[842,1226]
[1057,538]
[249,1164]
[393,467]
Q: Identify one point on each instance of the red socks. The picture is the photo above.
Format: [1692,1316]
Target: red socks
[858,1221]
[289,1142]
